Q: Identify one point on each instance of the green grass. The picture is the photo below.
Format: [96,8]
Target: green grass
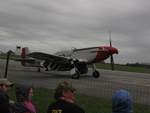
[12,56]
[124,68]
[43,97]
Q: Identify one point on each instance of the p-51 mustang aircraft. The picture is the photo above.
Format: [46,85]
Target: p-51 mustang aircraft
[76,60]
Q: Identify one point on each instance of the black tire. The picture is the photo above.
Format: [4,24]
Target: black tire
[96,74]
[46,69]
[76,75]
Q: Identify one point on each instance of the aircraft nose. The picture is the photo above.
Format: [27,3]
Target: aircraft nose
[113,50]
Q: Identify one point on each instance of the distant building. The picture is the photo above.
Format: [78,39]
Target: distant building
[18,50]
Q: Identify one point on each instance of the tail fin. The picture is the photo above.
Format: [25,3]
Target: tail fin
[24,52]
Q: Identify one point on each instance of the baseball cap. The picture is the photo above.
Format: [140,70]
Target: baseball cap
[65,86]
[5,82]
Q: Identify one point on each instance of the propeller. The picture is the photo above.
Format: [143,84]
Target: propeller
[111,56]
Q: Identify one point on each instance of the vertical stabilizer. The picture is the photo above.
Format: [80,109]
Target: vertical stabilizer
[24,52]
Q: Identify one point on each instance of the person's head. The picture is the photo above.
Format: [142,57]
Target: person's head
[24,92]
[122,102]
[5,85]
[65,91]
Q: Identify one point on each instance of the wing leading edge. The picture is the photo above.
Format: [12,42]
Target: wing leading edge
[49,57]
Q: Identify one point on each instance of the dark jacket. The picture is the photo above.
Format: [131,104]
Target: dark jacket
[61,106]
[4,103]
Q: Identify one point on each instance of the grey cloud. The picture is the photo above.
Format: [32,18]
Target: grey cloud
[50,23]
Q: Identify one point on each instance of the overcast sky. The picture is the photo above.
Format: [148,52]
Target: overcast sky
[53,25]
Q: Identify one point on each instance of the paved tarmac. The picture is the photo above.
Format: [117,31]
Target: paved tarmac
[138,84]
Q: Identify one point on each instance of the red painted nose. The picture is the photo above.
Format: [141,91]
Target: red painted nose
[113,50]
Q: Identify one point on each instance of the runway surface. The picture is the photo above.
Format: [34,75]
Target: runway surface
[138,84]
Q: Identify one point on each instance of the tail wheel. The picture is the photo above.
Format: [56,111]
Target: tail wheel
[76,75]
[46,69]
[96,74]
[39,69]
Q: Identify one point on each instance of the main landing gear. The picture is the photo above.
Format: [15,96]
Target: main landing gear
[38,69]
[95,73]
[75,74]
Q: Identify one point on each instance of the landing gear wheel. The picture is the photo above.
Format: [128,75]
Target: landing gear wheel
[46,69]
[76,75]
[96,74]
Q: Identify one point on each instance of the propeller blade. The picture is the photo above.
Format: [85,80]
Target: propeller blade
[110,39]
[111,56]
[112,62]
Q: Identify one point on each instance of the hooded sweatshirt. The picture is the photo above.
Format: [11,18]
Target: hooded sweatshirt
[122,102]
[23,104]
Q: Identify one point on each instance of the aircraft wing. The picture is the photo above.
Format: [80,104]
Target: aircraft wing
[24,60]
[49,57]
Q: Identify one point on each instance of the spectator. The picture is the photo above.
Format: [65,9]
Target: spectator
[122,102]
[5,85]
[64,100]
[24,102]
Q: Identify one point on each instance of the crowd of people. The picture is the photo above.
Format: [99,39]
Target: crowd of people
[64,96]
